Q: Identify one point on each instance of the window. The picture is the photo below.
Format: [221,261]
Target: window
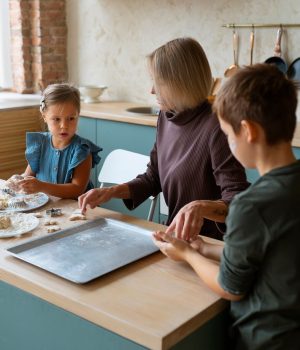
[5,57]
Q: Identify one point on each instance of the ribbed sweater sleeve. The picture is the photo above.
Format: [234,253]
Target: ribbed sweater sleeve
[144,185]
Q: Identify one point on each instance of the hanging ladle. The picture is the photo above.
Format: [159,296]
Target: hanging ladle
[276,59]
[230,71]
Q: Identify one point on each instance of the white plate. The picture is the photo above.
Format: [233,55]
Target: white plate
[33,201]
[20,224]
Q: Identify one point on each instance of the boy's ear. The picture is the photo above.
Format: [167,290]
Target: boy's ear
[250,130]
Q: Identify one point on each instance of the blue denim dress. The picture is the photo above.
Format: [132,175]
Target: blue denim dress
[57,165]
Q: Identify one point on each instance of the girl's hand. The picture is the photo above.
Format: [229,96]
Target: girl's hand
[188,221]
[172,247]
[94,197]
[30,185]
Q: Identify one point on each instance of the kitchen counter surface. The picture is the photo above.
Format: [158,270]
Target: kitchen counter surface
[154,302]
[11,100]
[116,111]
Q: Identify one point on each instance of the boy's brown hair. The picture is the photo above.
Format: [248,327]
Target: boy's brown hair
[262,94]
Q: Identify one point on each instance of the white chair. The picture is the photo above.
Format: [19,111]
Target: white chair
[122,166]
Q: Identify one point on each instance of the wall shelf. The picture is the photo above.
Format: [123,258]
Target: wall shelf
[261,25]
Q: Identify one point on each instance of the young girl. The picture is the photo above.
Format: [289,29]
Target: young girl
[59,161]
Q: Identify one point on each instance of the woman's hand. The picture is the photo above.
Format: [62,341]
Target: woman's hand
[30,185]
[188,222]
[94,197]
[172,247]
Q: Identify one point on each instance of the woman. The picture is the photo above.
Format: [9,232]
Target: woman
[190,161]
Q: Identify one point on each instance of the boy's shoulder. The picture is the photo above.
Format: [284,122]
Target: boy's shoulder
[277,187]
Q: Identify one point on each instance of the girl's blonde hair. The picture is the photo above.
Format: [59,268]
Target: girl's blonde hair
[182,66]
[60,93]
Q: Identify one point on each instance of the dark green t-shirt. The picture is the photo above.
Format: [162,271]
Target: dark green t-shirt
[261,259]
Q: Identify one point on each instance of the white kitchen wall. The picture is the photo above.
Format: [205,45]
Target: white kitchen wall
[109,39]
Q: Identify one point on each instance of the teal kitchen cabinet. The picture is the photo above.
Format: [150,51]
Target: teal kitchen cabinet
[252,174]
[42,325]
[111,135]
[87,128]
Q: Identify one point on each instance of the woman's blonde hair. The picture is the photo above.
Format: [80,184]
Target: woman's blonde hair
[60,93]
[182,66]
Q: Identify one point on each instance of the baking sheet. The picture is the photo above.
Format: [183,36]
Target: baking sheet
[85,252]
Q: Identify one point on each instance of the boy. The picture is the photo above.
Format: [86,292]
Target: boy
[259,267]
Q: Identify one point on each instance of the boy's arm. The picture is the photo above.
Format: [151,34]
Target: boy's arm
[206,269]
[211,251]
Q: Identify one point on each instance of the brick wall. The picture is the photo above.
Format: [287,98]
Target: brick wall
[39,43]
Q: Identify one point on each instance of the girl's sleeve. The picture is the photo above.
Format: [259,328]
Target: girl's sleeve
[34,141]
[82,150]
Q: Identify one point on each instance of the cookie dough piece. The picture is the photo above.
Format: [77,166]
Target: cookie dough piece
[52,229]
[77,215]
[13,181]
[38,214]
[50,222]
[3,204]
[5,222]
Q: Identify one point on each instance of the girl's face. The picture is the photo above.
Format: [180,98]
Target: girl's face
[62,120]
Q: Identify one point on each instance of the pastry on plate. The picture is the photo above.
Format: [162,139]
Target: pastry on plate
[5,222]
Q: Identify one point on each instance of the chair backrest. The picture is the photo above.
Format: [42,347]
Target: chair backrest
[122,166]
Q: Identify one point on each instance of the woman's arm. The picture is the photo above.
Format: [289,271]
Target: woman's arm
[98,196]
[74,189]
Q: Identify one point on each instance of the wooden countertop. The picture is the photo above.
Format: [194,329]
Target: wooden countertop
[116,111]
[154,302]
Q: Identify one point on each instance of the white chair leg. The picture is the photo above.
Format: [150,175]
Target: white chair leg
[152,208]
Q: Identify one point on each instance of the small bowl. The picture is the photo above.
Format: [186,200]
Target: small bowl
[91,93]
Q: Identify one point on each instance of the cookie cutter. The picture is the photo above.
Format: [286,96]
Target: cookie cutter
[9,191]
[54,212]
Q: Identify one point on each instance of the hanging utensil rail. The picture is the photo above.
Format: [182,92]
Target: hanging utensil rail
[261,25]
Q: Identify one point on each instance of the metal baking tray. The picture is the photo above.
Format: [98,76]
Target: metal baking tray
[85,252]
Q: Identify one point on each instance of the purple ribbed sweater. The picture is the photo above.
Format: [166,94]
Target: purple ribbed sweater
[190,160]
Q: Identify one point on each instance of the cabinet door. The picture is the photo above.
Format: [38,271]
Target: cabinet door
[132,137]
[87,128]
[252,174]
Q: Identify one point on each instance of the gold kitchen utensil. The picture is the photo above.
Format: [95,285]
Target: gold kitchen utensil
[251,45]
[234,67]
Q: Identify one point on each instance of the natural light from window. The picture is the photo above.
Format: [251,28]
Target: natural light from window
[5,56]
